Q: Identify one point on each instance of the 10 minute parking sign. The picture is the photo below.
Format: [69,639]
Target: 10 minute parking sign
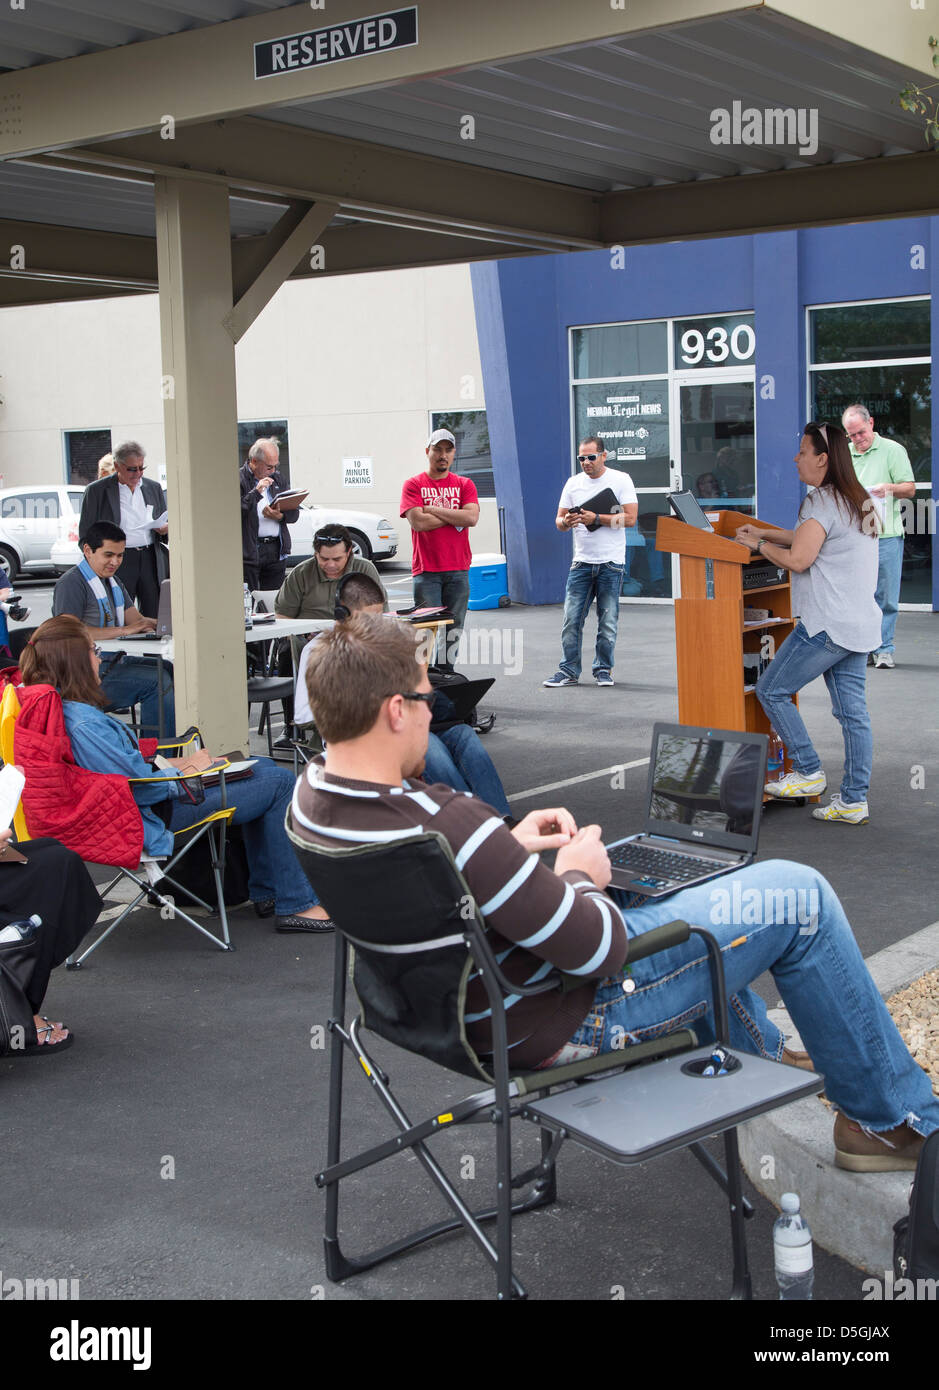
[336,44]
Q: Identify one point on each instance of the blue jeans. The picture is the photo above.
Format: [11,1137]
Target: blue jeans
[889,573]
[799,660]
[583,584]
[796,928]
[450,588]
[458,759]
[133,681]
[261,800]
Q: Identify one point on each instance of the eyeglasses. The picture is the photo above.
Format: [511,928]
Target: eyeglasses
[133,468]
[587,458]
[427,697]
[97,650]
[328,540]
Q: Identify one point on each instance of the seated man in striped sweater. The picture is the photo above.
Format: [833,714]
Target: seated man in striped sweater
[370,698]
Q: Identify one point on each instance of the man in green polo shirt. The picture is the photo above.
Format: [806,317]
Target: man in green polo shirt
[309,591]
[883,467]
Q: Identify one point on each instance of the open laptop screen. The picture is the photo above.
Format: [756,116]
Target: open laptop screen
[706,785]
[687,508]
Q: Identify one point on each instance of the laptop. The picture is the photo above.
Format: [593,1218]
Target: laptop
[687,508]
[456,702]
[703,803]
[164,627]
[164,620]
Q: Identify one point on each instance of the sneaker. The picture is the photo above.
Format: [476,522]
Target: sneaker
[854,812]
[797,784]
[862,1151]
[604,678]
[884,661]
[559,678]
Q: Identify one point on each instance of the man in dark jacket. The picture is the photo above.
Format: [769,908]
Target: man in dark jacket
[133,503]
[265,540]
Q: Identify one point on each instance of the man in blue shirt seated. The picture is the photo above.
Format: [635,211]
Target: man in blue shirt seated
[91,593]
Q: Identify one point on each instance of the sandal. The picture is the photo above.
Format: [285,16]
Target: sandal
[43,1046]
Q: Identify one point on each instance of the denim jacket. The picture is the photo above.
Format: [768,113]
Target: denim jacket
[102,743]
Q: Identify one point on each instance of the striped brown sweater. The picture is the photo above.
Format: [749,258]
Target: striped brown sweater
[533,915]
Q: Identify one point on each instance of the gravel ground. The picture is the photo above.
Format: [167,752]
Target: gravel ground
[915,1010]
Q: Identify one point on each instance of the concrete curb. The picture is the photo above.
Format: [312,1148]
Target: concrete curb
[851,1214]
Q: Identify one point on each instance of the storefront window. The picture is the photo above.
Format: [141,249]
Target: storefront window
[473,450]
[870,332]
[896,388]
[620,349]
[249,431]
[631,417]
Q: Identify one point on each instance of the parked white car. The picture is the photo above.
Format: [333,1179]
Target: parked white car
[32,521]
[373,537]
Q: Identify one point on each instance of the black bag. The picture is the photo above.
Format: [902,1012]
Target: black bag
[443,714]
[17,962]
[916,1237]
[194,870]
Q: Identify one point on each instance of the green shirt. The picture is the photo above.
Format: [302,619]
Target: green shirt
[307,593]
[885,461]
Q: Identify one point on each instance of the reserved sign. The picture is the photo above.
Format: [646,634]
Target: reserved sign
[336,44]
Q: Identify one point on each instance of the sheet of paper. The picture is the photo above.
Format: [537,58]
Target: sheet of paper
[159,521]
[12,783]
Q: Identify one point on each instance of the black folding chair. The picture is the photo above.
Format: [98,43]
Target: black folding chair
[417,935]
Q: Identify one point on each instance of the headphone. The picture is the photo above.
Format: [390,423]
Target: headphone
[340,611]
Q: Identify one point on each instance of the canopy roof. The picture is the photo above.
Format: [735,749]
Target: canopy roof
[505,129]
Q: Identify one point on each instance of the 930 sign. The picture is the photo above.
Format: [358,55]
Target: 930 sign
[727,341]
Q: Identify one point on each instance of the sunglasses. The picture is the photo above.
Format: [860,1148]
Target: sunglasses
[328,540]
[587,458]
[128,468]
[427,697]
[97,650]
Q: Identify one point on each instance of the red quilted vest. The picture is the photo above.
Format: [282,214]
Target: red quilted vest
[93,813]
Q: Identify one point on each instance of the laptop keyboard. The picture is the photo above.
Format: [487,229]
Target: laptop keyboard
[660,864]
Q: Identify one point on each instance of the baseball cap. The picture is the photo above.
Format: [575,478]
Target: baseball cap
[441,436]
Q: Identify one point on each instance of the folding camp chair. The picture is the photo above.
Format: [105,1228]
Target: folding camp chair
[99,801]
[414,949]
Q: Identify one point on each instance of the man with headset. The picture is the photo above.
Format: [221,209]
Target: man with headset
[309,591]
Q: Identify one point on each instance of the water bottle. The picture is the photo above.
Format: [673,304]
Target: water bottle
[775,757]
[249,621]
[792,1251]
[21,930]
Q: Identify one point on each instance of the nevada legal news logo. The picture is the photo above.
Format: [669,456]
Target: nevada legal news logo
[776,125]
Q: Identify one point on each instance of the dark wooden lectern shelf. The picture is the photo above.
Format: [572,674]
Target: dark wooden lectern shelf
[711,636]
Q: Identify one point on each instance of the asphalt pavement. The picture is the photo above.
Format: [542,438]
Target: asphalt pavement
[169,1154]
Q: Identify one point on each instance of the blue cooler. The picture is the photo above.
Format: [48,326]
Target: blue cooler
[488,582]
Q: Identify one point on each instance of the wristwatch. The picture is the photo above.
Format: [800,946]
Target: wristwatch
[759,545]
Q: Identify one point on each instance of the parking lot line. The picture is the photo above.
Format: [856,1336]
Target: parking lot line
[571,781]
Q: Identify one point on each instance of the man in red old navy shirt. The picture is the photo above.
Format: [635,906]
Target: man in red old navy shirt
[440,506]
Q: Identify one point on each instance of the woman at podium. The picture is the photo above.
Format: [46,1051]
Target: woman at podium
[832,554]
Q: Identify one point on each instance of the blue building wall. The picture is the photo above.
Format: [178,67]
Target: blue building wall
[525,307]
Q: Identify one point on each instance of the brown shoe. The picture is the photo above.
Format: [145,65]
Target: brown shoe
[797,1059]
[862,1151]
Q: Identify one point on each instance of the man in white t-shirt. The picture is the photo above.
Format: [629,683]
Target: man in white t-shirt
[599,557]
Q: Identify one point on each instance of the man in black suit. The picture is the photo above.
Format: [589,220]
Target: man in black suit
[130,501]
[265,540]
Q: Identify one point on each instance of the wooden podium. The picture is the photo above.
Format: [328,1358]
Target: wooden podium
[711,637]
